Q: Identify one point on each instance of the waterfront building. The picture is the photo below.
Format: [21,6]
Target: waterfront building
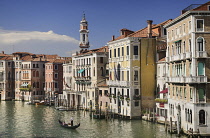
[188,49]
[88,70]
[6,77]
[54,81]
[104,94]
[68,94]
[132,69]
[162,92]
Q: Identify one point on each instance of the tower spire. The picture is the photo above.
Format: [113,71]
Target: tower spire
[84,42]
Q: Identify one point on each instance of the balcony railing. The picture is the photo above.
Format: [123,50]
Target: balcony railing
[196,79]
[135,57]
[191,79]
[201,54]
[188,54]
[180,56]
[158,100]
[121,58]
[127,57]
[136,97]
[118,83]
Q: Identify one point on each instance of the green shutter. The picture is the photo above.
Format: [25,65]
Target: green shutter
[200,68]
[201,94]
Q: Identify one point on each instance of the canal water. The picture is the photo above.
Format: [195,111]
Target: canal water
[17,119]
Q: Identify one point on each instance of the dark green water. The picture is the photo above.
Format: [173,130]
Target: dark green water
[18,119]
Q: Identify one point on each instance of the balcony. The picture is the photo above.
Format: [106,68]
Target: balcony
[118,83]
[181,56]
[158,100]
[180,79]
[127,57]
[188,55]
[121,58]
[56,89]
[201,54]
[135,57]
[136,97]
[191,79]
[196,79]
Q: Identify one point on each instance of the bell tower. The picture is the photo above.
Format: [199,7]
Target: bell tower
[84,42]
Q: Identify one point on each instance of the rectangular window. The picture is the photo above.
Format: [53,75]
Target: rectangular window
[56,66]
[114,52]
[105,92]
[136,103]
[56,85]
[127,50]
[135,50]
[189,25]
[122,75]
[191,93]
[56,75]
[127,75]
[164,32]
[135,75]
[122,51]
[118,52]
[136,91]
[200,25]
[110,53]
[100,92]
[128,94]
[101,59]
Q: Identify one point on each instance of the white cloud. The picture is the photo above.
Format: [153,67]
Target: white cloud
[37,42]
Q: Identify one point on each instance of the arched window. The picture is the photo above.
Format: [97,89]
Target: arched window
[201,94]
[37,73]
[200,44]
[202,117]
[200,68]
[34,74]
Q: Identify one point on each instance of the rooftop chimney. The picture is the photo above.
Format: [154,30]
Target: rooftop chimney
[149,27]
[113,37]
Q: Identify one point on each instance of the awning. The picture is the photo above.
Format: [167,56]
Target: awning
[164,91]
[177,41]
[25,84]
[80,71]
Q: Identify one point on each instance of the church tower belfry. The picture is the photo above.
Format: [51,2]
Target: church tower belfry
[84,42]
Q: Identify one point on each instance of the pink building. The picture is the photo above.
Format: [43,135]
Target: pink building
[53,79]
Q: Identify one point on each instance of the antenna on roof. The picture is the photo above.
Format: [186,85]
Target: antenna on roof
[83,15]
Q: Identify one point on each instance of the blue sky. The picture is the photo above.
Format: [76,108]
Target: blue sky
[52,26]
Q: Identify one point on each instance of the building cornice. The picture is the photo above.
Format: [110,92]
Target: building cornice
[188,13]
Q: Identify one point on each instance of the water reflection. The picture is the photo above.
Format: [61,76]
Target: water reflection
[21,120]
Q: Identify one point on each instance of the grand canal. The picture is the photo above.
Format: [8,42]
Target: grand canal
[21,120]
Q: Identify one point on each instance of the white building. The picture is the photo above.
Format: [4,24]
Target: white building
[188,69]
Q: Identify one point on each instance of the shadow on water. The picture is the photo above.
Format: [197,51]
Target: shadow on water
[21,120]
